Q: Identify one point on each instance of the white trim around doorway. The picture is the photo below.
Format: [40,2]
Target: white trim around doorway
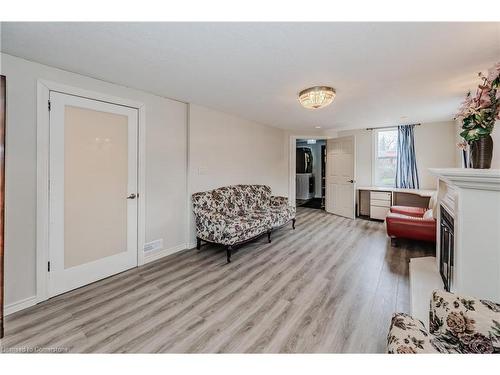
[292,154]
[42,219]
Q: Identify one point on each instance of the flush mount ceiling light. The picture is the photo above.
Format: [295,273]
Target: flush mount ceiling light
[316,97]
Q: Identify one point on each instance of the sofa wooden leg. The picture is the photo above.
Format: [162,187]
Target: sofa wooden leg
[293,223]
[229,249]
[394,242]
[198,243]
[269,236]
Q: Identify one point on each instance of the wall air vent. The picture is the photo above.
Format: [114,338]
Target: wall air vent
[153,245]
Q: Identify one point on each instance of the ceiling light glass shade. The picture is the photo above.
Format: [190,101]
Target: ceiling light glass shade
[316,97]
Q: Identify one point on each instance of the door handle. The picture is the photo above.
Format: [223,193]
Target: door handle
[351,181]
[132,196]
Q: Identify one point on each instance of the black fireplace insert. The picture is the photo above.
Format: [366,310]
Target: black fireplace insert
[447,247]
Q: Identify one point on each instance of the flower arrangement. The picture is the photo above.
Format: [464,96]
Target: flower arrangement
[480,112]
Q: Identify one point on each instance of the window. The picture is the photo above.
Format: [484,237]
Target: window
[385,158]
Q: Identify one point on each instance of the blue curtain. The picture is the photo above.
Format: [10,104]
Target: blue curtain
[406,168]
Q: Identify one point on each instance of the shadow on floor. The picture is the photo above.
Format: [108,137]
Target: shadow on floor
[311,203]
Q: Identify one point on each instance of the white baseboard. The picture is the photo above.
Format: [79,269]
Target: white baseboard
[155,255]
[191,245]
[11,308]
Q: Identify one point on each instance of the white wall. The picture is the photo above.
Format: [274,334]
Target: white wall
[226,150]
[435,146]
[166,153]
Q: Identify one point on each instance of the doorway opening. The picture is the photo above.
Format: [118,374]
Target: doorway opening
[310,173]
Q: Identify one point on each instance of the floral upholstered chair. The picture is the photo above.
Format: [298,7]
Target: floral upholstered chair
[458,324]
[232,215]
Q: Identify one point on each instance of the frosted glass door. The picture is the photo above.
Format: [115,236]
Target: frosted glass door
[93,192]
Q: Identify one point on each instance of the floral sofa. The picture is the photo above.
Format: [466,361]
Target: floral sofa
[232,215]
[458,324]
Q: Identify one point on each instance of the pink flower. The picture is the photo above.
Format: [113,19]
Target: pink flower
[483,98]
[493,72]
[466,107]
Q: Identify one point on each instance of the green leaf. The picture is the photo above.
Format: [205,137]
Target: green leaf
[465,135]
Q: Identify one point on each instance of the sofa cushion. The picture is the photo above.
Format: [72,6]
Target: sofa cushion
[465,324]
[242,228]
[412,227]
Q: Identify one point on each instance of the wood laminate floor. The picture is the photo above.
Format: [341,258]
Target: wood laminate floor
[329,286]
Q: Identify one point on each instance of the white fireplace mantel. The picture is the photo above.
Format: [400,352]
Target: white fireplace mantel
[472,198]
[482,179]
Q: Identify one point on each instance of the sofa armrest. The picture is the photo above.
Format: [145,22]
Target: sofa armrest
[277,201]
[408,335]
[209,225]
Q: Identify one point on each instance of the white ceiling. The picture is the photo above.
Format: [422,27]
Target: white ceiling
[381,71]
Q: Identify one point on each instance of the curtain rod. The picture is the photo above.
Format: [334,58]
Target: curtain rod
[389,127]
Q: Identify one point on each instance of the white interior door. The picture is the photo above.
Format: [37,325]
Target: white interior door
[340,171]
[93,191]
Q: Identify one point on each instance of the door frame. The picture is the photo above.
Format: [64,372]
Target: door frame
[43,147]
[292,158]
